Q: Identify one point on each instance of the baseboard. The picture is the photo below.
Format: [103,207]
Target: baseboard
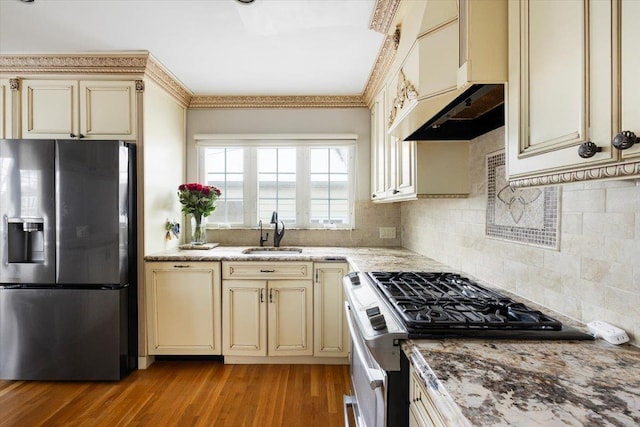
[145,361]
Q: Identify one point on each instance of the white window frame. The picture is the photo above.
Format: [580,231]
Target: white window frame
[304,141]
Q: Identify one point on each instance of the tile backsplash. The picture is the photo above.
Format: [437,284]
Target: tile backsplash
[369,217]
[595,274]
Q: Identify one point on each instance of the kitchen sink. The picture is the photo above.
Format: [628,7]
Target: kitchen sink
[272,251]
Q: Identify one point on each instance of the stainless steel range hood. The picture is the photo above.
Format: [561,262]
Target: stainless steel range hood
[451,84]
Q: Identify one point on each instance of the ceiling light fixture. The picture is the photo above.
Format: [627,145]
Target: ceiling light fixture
[241,1]
[27,1]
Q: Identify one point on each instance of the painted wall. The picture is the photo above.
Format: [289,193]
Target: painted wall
[164,165]
[594,275]
[368,217]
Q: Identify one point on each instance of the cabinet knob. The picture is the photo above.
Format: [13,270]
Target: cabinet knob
[373,196]
[81,136]
[72,135]
[624,140]
[588,149]
[396,191]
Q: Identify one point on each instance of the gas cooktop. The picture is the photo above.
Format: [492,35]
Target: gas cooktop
[443,303]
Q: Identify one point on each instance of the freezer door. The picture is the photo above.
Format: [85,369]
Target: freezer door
[27,213]
[63,334]
[92,184]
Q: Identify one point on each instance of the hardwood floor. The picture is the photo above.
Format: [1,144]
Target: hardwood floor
[185,393]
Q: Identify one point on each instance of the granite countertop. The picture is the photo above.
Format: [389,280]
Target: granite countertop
[493,382]
[361,259]
[530,383]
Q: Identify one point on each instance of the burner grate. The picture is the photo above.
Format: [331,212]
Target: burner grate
[447,300]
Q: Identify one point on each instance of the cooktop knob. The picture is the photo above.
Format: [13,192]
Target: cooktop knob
[376,318]
[354,278]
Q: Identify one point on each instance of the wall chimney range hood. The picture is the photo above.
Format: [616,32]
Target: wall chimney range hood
[451,84]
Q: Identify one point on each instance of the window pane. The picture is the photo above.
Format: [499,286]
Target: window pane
[224,169]
[277,183]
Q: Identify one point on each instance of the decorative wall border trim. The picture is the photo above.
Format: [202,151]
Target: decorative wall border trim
[102,63]
[320,101]
[619,171]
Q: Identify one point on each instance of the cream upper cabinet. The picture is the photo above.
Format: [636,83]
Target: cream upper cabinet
[89,109]
[630,76]
[6,109]
[564,101]
[267,309]
[183,308]
[379,148]
[331,336]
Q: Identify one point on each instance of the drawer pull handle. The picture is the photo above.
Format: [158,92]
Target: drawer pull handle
[624,140]
[267,271]
[588,149]
[181,266]
[261,295]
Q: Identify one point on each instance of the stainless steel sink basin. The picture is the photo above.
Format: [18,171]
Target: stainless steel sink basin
[272,251]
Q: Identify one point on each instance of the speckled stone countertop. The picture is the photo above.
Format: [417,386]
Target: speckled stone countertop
[493,382]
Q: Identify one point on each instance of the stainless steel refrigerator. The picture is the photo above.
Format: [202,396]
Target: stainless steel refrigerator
[68,272]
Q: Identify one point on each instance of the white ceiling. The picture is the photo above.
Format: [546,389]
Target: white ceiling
[214,47]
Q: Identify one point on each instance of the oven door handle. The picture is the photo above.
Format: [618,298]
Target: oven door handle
[375,376]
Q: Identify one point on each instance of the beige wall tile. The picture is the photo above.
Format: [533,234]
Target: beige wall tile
[594,275]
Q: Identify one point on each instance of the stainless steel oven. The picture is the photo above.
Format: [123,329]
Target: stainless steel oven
[385,308]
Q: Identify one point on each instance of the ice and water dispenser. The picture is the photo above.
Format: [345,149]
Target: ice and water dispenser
[25,240]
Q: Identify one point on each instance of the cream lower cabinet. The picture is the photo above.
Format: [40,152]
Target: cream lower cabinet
[267,309]
[422,411]
[573,85]
[89,109]
[330,335]
[183,308]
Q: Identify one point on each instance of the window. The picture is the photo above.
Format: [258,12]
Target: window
[309,183]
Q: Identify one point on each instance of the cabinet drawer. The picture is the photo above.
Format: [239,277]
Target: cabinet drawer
[267,270]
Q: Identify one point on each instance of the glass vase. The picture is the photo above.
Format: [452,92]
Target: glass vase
[198,229]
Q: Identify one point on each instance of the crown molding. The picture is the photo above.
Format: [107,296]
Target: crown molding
[618,171]
[141,62]
[383,14]
[302,101]
[383,62]
[163,77]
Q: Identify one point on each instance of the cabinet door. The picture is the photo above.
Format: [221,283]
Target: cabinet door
[290,318]
[405,169]
[330,333]
[630,73]
[379,153]
[244,317]
[183,308]
[49,108]
[560,84]
[5,109]
[108,109]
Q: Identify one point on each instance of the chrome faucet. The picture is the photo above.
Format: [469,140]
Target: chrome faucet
[278,234]
[262,239]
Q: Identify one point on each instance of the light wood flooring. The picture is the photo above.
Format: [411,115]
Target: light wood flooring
[185,393]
